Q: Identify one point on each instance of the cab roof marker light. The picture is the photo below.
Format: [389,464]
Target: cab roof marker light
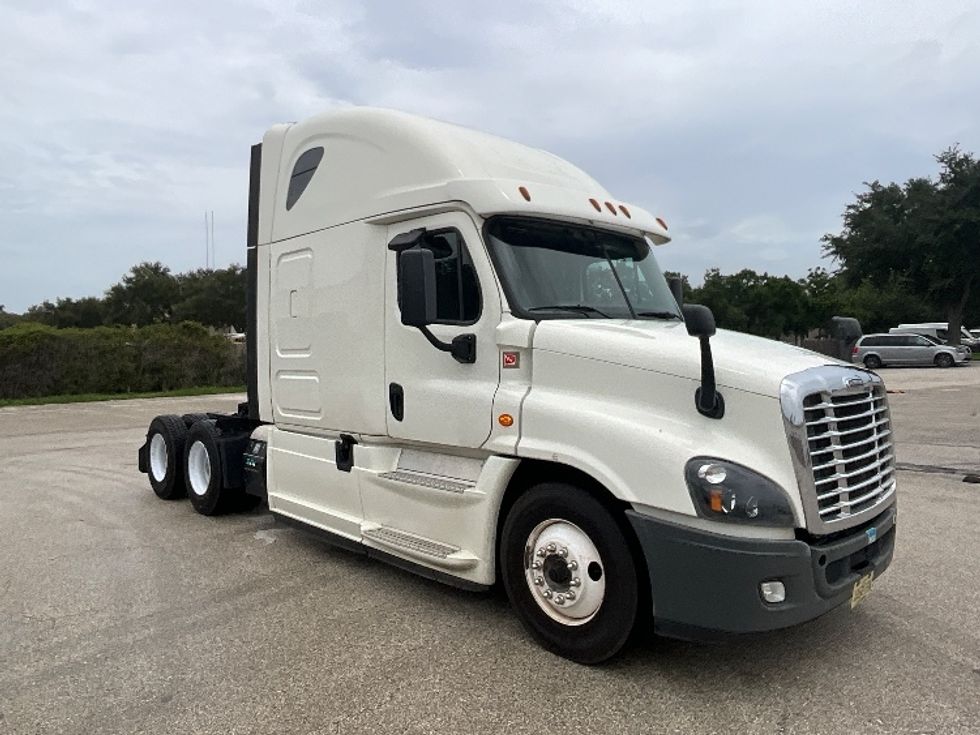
[524,193]
[595,204]
[611,208]
[661,223]
[624,210]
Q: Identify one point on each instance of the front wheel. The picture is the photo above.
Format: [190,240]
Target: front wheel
[872,362]
[944,360]
[569,572]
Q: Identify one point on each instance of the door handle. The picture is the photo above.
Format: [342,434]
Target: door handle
[396,401]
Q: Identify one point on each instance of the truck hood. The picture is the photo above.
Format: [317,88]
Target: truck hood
[742,361]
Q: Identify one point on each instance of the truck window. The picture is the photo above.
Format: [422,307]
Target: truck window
[553,270]
[457,288]
[303,172]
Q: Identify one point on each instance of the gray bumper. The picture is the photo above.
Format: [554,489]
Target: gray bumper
[705,584]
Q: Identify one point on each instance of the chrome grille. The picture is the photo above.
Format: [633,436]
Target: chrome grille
[851,453]
[840,434]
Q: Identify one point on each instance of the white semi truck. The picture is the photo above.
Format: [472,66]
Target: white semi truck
[463,358]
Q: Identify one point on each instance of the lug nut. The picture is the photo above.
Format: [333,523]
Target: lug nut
[546,594]
[539,581]
[562,552]
[551,548]
[570,594]
[573,565]
[559,599]
[542,552]
[535,564]
[575,582]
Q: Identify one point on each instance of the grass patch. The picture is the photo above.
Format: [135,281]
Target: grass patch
[92,397]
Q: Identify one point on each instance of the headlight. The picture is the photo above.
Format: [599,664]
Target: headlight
[729,492]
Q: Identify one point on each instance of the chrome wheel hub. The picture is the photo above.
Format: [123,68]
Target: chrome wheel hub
[564,572]
[158,457]
[199,468]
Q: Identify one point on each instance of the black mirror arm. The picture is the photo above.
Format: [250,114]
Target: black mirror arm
[707,398]
[462,348]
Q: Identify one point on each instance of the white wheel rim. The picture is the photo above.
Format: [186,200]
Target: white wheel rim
[564,572]
[159,461]
[199,468]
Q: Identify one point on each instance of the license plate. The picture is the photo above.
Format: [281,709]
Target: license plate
[862,588]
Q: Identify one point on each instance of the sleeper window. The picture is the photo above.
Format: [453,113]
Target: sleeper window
[302,174]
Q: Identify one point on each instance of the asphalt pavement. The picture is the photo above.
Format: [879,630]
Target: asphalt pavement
[121,613]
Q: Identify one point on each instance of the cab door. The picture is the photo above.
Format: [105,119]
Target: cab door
[432,397]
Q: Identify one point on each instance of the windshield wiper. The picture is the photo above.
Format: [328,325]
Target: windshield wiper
[659,314]
[580,308]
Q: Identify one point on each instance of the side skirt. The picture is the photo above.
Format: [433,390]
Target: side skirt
[358,548]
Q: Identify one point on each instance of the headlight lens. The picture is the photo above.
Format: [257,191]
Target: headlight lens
[728,492]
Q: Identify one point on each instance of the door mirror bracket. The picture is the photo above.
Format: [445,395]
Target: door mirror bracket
[462,348]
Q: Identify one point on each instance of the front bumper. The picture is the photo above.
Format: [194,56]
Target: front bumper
[704,584]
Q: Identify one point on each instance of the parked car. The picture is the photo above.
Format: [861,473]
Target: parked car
[940,330]
[877,350]
[975,333]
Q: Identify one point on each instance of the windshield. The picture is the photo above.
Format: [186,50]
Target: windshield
[557,270]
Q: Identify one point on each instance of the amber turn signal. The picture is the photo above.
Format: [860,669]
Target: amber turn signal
[505,420]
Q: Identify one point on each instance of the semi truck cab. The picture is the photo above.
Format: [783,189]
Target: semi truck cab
[463,358]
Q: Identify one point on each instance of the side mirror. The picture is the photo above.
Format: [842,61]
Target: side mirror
[417,287]
[699,320]
[677,289]
[701,324]
[417,302]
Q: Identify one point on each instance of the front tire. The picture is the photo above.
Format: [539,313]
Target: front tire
[872,362]
[944,360]
[569,572]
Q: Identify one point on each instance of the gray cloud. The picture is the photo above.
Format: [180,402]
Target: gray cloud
[748,126]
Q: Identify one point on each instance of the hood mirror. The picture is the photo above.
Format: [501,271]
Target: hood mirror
[701,324]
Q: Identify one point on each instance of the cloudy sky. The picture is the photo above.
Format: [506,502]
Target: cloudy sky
[747,125]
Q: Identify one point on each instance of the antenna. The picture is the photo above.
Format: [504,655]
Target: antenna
[212,239]
[207,243]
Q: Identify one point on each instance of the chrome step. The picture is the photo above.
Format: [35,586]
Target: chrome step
[419,547]
[436,482]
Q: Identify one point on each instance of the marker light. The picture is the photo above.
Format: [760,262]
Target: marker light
[661,223]
[505,420]
[524,193]
[611,208]
[773,592]
[595,204]
[625,211]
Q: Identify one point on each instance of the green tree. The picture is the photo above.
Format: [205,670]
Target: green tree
[212,297]
[922,236]
[85,312]
[146,295]
[7,319]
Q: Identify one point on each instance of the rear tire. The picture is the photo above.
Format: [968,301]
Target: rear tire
[165,466]
[192,418]
[872,362]
[202,471]
[569,573]
[944,360]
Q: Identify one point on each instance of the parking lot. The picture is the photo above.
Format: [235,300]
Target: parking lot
[123,613]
